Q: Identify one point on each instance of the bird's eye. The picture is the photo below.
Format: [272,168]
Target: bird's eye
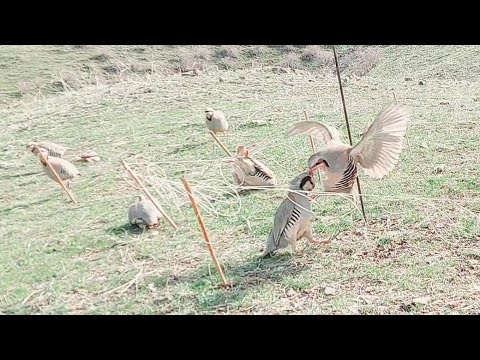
[322,162]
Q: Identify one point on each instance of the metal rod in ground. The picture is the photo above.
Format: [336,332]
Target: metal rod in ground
[406,135]
[152,199]
[204,230]
[312,142]
[220,143]
[348,129]
[70,195]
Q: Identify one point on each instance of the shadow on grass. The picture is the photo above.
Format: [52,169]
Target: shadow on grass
[125,229]
[187,147]
[245,277]
[6,177]
[25,205]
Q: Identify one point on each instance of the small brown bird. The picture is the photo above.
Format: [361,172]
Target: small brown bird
[215,120]
[64,169]
[292,219]
[88,156]
[53,149]
[377,152]
[144,214]
[250,172]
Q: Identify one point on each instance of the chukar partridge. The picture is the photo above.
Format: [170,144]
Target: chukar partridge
[64,169]
[215,120]
[250,172]
[377,152]
[292,219]
[53,149]
[88,156]
[144,214]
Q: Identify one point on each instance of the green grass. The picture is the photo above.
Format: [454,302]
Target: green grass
[61,258]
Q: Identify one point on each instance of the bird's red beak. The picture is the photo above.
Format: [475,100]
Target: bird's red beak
[320,167]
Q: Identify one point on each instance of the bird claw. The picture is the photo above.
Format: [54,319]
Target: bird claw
[318,241]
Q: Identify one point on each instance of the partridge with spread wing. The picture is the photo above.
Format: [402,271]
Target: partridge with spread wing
[377,152]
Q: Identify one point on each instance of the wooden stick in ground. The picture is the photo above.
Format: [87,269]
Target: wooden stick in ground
[312,143]
[152,199]
[220,144]
[406,136]
[70,195]
[204,230]
[348,129]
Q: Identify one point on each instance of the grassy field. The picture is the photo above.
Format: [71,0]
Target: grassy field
[419,254]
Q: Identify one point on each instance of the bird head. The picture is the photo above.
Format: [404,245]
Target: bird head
[303,182]
[209,113]
[241,160]
[242,152]
[318,161]
[31,147]
[44,153]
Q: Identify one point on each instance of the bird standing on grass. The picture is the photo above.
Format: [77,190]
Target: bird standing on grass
[52,148]
[293,217]
[65,170]
[250,172]
[144,213]
[215,120]
[377,152]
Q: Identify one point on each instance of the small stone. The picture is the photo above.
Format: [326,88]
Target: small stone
[330,290]
[440,169]
[421,300]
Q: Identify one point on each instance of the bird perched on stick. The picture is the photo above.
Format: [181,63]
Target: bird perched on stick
[250,172]
[144,214]
[64,169]
[292,219]
[52,148]
[215,120]
[377,152]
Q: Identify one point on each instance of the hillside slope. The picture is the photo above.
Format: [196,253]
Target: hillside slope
[58,257]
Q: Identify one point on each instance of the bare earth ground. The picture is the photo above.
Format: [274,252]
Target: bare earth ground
[419,255]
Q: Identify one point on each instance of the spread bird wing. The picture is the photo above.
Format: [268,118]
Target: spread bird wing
[379,150]
[324,132]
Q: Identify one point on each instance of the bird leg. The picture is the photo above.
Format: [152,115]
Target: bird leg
[294,247]
[237,179]
[308,234]
[318,241]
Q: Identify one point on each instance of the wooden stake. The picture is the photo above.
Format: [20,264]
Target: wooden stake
[406,136]
[348,129]
[152,199]
[204,230]
[220,143]
[312,143]
[70,195]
